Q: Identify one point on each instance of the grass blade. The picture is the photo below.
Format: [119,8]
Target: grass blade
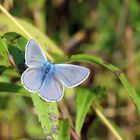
[115,70]
[64,127]
[87,98]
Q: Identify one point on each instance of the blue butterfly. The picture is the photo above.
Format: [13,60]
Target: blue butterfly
[46,78]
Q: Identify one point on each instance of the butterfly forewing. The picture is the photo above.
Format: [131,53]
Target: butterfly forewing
[32,79]
[71,75]
[52,89]
[34,57]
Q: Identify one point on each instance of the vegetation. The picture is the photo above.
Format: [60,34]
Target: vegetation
[101,35]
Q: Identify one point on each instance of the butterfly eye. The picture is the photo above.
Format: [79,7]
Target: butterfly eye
[51,61]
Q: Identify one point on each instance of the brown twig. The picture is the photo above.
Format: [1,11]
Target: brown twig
[73,134]
[79,38]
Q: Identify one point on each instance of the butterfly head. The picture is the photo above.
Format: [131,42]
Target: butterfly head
[51,62]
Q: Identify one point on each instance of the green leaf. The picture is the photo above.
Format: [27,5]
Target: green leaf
[15,39]
[48,116]
[18,57]
[64,127]
[16,46]
[115,70]
[2,69]
[3,50]
[84,100]
[9,87]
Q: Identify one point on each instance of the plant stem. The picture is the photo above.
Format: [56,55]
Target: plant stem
[20,27]
[107,123]
[73,134]
[13,19]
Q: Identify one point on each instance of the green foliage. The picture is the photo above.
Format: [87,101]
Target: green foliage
[42,39]
[48,116]
[16,47]
[2,69]
[47,112]
[3,51]
[102,32]
[115,70]
[64,130]
[87,98]
[9,87]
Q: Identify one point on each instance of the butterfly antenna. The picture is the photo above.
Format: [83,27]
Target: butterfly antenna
[46,45]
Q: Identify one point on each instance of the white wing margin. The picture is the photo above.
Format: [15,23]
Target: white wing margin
[32,79]
[34,56]
[71,75]
[52,89]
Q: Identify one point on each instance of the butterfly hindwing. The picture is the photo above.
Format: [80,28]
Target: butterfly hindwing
[34,57]
[32,79]
[52,89]
[71,75]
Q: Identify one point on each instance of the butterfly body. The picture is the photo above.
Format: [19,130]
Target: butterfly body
[46,78]
[48,69]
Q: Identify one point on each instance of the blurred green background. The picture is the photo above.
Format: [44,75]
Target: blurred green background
[109,29]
